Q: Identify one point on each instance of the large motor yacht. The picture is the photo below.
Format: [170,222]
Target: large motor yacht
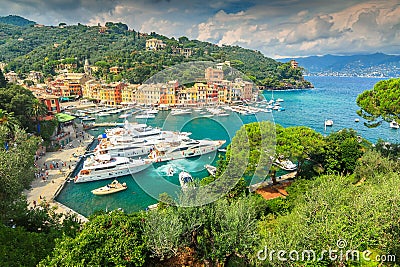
[186,148]
[103,166]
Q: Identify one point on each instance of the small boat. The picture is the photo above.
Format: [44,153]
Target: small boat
[152,207]
[279,100]
[124,116]
[286,165]
[211,169]
[222,114]
[176,112]
[394,124]
[145,116]
[170,171]
[223,150]
[114,187]
[328,123]
[357,120]
[88,118]
[185,179]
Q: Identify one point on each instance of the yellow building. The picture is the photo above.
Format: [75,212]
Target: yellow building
[154,44]
[149,94]
[201,90]
[128,94]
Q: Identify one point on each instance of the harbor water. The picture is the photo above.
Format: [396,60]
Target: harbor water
[332,98]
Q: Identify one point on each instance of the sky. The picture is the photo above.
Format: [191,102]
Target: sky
[277,28]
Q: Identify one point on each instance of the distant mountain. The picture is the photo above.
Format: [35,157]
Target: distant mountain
[373,65]
[16,20]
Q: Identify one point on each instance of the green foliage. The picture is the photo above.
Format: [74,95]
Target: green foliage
[331,208]
[299,144]
[19,247]
[373,164]
[341,152]
[113,239]
[16,166]
[387,149]
[122,47]
[383,101]
[16,20]
[3,81]
[215,231]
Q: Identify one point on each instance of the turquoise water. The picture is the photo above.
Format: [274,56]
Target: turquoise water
[333,98]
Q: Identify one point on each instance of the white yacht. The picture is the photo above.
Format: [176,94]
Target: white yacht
[394,124]
[212,170]
[176,112]
[129,146]
[145,116]
[186,148]
[286,165]
[185,179]
[103,166]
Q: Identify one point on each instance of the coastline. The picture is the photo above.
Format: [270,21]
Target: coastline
[47,188]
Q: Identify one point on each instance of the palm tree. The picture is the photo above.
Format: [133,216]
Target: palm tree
[37,110]
[8,120]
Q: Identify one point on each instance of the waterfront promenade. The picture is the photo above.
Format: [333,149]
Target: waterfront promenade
[47,187]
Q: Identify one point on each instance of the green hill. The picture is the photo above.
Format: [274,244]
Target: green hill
[43,48]
[16,20]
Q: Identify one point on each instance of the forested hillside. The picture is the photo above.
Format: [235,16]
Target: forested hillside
[43,48]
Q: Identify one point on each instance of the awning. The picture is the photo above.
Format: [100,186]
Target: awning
[62,117]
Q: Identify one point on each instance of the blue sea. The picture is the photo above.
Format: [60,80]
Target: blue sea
[332,98]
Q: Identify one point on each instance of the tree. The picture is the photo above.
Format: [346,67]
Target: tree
[9,121]
[3,81]
[380,103]
[341,152]
[16,166]
[112,239]
[37,110]
[329,209]
[298,143]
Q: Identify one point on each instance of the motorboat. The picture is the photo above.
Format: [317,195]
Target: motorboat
[186,148]
[356,120]
[176,112]
[185,179]
[125,115]
[328,122]
[212,170]
[88,118]
[394,125]
[279,100]
[114,187]
[145,116]
[286,165]
[103,166]
[170,171]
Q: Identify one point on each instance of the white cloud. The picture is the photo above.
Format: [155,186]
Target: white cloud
[274,27]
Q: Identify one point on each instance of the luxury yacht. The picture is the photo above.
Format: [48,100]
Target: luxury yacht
[103,166]
[185,148]
[134,140]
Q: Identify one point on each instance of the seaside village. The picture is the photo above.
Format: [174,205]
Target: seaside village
[71,95]
[61,93]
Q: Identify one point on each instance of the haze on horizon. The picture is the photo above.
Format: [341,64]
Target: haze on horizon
[277,28]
